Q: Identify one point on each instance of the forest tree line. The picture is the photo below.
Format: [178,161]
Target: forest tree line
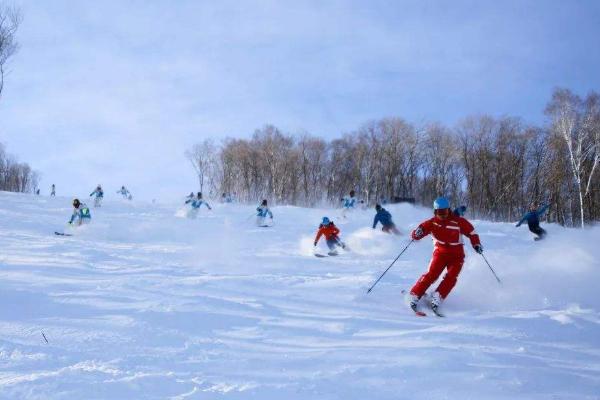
[16,176]
[496,166]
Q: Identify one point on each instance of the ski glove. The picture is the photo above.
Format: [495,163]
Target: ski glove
[418,233]
[478,248]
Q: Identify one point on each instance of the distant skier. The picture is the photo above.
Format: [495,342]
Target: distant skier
[533,220]
[263,212]
[349,202]
[81,213]
[446,230]
[226,198]
[385,218]
[125,193]
[460,211]
[37,192]
[331,232]
[99,195]
[53,190]
[197,202]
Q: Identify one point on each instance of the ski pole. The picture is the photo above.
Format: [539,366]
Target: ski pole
[384,272]
[491,269]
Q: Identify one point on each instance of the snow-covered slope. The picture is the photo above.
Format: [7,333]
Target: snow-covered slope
[143,304]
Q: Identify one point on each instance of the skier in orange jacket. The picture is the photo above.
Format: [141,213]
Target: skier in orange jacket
[328,229]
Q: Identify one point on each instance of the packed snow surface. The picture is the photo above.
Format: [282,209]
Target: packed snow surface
[145,303]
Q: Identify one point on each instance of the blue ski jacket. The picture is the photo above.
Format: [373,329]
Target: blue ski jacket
[198,202]
[263,212]
[98,193]
[81,213]
[533,217]
[384,217]
[349,202]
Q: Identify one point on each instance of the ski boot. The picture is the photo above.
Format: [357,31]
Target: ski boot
[414,302]
[436,301]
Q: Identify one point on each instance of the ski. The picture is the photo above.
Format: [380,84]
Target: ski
[417,312]
[436,311]
[63,234]
[415,309]
[329,254]
[438,314]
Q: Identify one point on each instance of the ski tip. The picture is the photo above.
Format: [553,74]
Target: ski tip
[437,312]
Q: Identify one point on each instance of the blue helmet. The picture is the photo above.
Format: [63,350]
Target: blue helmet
[440,203]
[325,221]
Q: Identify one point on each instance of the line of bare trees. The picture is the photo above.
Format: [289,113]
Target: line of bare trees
[16,176]
[496,166]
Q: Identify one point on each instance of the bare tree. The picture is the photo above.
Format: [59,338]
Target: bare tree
[577,122]
[10,18]
[203,157]
[276,151]
[442,170]
[313,158]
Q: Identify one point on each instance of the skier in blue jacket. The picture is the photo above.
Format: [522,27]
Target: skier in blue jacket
[125,193]
[99,196]
[81,213]
[385,218]
[263,212]
[349,202]
[533,220]
[197,202]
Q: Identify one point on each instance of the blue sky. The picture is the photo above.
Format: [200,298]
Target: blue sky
[114,93]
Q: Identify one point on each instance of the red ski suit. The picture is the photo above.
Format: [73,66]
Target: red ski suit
[448,252]
[330,231]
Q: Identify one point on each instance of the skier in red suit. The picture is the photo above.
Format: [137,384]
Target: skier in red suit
[446,230]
